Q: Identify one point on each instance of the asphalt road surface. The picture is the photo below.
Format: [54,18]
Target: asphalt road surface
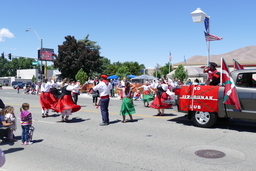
[157,143]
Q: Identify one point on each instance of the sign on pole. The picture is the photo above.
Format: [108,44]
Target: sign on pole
[35,63]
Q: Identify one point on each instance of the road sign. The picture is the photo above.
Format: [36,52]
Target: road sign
[34,63]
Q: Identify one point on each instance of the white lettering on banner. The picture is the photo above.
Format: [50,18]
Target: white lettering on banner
[197,88]
[194,106]
[197,97]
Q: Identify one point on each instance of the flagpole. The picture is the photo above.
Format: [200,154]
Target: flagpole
[208,58]
[221,59]
[169,67]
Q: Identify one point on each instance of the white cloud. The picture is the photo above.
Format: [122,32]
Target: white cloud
[5,33]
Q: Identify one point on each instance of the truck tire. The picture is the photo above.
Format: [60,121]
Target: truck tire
[204,119]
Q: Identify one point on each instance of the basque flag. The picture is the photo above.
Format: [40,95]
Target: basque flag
[237,65]
[230,93]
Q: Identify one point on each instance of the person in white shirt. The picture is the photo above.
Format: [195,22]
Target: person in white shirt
[45,99]
[76,91]
[104,88]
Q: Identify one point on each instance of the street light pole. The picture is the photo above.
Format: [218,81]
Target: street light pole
[198,16]
[41,44]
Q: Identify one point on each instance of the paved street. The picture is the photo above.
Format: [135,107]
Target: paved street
[156,143]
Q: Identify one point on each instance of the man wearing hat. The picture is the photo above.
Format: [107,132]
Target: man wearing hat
[104,88]
[211,70]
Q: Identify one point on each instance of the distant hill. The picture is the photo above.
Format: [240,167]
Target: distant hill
[245,55]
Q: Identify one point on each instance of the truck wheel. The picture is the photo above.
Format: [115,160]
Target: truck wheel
[204,119]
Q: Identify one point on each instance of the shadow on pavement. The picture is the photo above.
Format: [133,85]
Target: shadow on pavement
[228,124]
[12,150]
[54,115]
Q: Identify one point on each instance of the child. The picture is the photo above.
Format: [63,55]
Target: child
[9,117]
[26,122]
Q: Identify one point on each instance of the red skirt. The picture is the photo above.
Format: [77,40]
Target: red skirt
[158,102]
[46,101]
[64,103]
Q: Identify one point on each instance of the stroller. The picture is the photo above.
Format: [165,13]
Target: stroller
[30,133]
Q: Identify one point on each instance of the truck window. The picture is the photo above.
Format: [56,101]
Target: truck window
[246,80]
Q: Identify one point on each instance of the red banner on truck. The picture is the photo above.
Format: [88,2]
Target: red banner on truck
[199,98]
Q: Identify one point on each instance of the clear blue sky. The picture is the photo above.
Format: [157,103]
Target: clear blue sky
[128,30]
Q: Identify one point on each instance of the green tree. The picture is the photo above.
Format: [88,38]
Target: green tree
[82,76]
[165,70]
[157,74]
[123,71]
[180,73]
[73,55]
[33,78]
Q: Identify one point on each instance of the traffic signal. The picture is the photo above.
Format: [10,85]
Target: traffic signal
[42,69]
[10,56]
[39,70]
[2,55]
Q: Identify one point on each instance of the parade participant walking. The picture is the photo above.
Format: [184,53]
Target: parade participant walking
[9,117]
[161,96]
[147,97]
[65,104]
[76,91]
[95,93]
[127,107]
[211,70]
[26,122]
[45,99]
[104,88]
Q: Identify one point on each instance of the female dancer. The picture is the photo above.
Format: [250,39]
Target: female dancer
[65,104]
[45,97]
[147,97]
[161,96]
[127,107]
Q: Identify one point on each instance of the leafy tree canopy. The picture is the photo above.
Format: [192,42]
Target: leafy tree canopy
[74,55]
[9,68]
[181,73]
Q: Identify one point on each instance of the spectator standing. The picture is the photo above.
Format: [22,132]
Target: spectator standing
[26,122]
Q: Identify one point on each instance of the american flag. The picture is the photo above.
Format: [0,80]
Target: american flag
[210,37]
[170,58]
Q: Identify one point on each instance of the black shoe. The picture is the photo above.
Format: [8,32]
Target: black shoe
[103,124]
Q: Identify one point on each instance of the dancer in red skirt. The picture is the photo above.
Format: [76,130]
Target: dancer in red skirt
[65,104]
[45,97]
[161,96]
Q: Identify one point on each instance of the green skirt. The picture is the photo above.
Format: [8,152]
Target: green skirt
[148,98]
[127,107]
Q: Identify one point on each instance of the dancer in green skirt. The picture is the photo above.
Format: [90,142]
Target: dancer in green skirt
[147,97]
[127,107]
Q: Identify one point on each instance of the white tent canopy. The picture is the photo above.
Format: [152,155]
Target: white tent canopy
[192,72]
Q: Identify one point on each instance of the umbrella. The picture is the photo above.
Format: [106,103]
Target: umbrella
[113,77]
[145,77]
[192,72]
[132,76]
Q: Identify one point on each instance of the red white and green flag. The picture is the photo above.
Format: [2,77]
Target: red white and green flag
[237,65]
[230,93]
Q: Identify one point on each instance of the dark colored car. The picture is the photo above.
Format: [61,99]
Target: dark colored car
[15,82]
[21,85]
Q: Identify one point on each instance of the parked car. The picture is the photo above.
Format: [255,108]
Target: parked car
[21,85]
[15,82]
